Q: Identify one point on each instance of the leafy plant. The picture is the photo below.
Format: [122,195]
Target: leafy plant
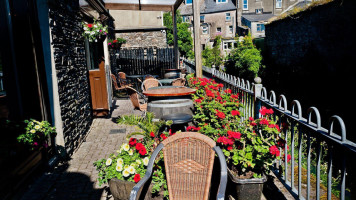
[245,59]
[116,43]
[185,40]
[212,56]
[128,164]
[37,133]
[94,30]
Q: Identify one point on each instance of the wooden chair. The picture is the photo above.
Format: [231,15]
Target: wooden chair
[149,83]
[188,160]
[178,82]
[123,81]
[134,97]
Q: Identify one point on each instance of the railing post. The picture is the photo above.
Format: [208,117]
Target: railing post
[257,93]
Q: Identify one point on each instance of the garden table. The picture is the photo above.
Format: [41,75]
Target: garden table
[166,100]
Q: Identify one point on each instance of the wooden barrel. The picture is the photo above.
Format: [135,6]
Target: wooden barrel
[172,73]
[165,106]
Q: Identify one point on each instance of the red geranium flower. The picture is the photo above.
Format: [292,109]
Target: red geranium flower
[235,112]
[90,25]
[139,146]
[163,136]
[137,178]
[152,134]
[274,150]
[234,135]
[132,142]
[224,140]
[221,115]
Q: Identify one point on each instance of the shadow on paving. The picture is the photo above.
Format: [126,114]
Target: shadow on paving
[62,185]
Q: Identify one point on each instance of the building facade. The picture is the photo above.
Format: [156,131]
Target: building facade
[216,18]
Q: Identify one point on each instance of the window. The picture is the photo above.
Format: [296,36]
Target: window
[229,45]
[218,29]
[221,1]
[278,3]
[245,4]
[260,27]
[228,17]
[202,18]
[188,2]
[259,11]
[185,18]
[231,29]
[205,29]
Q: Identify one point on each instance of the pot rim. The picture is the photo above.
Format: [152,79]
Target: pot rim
[247,181]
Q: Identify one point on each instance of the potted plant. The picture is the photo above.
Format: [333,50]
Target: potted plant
[93,31]
[249,146]
[125,168]
[36,134]
[116,43]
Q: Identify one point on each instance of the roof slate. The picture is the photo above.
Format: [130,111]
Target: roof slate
[208,6]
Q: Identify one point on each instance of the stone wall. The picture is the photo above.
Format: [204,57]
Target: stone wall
[310,56]
[72,72]
[144,39]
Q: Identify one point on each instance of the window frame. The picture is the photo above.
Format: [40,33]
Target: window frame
[221,1]
[228,18]
[243,4]
[278,3]
[206,27]
[262,28]
[231,29]
[202,18]
[186,2]
[217,30]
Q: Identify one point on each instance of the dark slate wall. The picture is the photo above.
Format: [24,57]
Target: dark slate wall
[311,57]
[72,73]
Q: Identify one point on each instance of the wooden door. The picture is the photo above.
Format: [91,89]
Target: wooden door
[98,90]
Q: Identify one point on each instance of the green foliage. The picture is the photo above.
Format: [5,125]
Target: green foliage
[116,43]
[185,40]
[94,30]
[246,59]
[212,56]
[36,133]
[124,165]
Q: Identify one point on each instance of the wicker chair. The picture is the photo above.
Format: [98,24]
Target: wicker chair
[115,83]
[123,81]
[149,83]
[178,82]
[188,160]
[134,97]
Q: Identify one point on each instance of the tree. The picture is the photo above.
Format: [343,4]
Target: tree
[212,56]
[184,36]
[245,59]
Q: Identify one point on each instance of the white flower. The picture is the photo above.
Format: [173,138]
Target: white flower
[138,162]
[37,127]
[145,161]
[108,161]
[126,173]
[119,168]
[126,147]
[120,161]
[130,152]
[131,170]
[126,166]
[32,131]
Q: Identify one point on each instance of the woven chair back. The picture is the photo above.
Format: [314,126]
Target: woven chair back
[133,97]
[188,159]
[149,77]
[122,75]
[149,83]
[178,82]
[114,81]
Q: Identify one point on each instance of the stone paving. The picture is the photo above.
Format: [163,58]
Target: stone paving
[76,179]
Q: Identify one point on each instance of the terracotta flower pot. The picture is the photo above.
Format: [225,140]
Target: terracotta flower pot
[245,189]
